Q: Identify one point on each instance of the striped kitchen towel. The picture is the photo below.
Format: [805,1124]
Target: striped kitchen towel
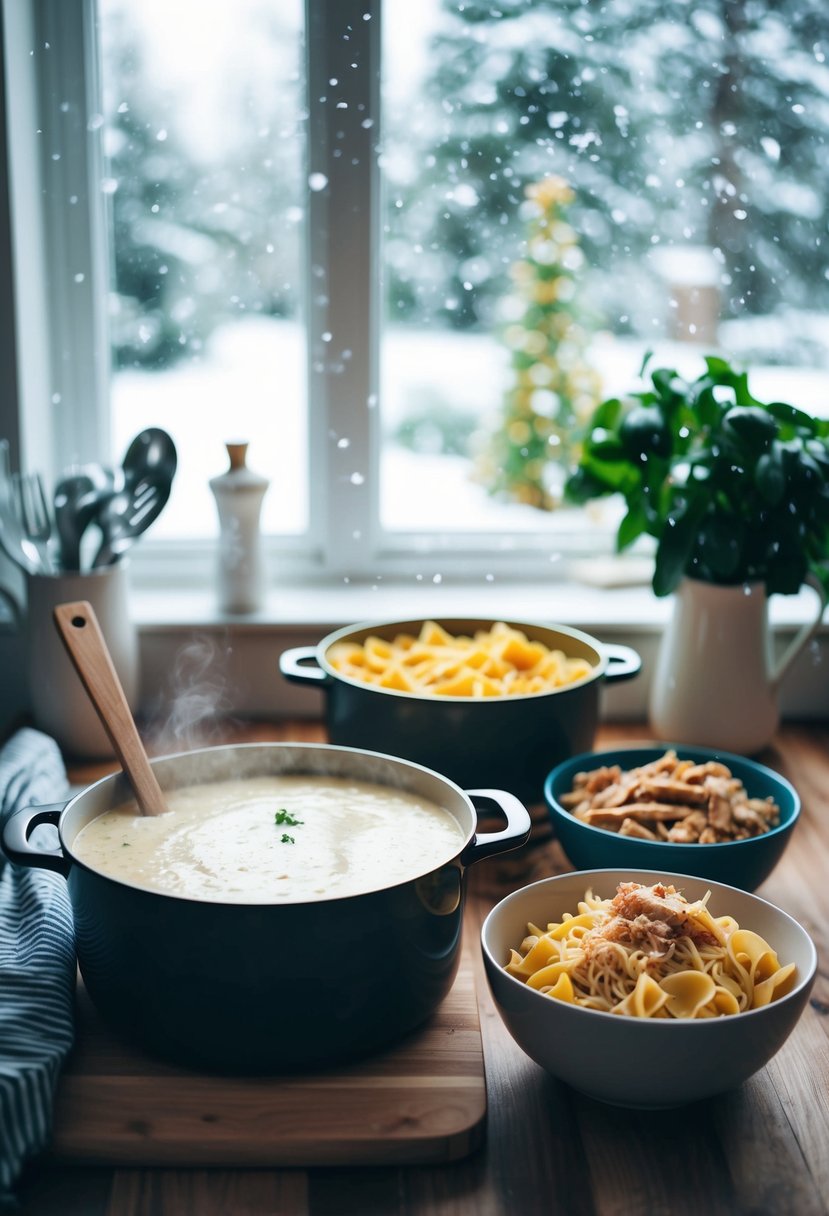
[37,963]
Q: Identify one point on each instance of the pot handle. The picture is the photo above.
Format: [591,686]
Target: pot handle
[623,663]
[804,634]
[516,833]
[18,829]
[290,664]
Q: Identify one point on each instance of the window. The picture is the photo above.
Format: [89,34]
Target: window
[307,229]
[203,166]
[691,138]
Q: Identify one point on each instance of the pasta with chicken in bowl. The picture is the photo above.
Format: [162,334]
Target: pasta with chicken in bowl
[648,952]
[644,988]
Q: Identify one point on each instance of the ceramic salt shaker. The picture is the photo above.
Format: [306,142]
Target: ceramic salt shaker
[239,493]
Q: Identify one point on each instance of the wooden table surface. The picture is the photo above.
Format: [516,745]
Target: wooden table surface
[761,1149]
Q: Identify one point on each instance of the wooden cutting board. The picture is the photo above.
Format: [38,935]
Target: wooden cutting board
[422,1101]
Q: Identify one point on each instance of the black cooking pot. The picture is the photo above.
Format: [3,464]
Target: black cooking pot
[259,988]
[510,742]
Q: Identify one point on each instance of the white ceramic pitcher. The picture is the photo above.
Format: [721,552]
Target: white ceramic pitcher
[59,703]
[716,680]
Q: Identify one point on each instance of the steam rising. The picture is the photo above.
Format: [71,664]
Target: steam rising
[195,706]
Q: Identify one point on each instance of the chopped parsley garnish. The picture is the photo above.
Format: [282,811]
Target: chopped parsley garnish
[285,817]
[286,839]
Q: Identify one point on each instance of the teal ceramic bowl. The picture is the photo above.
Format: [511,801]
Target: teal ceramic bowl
[738,863]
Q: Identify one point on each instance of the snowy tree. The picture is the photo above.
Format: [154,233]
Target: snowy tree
[553,390]
[198,235]
[677,124]
[146,175]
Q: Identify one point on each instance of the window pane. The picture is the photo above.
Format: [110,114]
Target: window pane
[204,134]
[692,139]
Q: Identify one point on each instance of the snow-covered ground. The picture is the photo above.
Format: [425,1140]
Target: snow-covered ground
[250,383]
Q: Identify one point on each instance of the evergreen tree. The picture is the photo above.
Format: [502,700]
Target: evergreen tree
[155,317]
[553,391]
[196,240]
[748,137]
[676,124]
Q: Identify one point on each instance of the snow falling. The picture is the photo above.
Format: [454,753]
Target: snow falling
[694,142]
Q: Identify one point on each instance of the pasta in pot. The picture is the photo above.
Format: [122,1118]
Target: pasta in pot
[498,662]
[650,953]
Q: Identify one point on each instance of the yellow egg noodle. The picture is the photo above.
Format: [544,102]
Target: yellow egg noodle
[500,661]
[650,953]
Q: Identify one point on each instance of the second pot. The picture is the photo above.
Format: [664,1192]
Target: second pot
[510,742]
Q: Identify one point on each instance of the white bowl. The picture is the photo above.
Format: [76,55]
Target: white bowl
[638,1062]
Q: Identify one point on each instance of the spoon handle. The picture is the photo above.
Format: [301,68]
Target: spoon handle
[81,635]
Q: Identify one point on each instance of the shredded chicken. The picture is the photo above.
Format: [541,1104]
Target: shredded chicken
[670,799]
[650,919]
[665,789]
[631,827]
[719,813]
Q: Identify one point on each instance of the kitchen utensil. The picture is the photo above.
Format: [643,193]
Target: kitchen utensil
[510,742]
[58,703]
[258,988]
[16,545]
[33,515]
[124,515]
[78,496]
[642,1062]
[152,452]
[740,863]
[81,634]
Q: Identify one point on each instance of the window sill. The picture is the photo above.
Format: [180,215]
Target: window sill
[602,597]
[197,661]
[238,656]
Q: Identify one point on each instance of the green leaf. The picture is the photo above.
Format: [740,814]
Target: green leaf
[668,384]
[819,453]
[749,427]
[741,391]
[719,368]
[770,478]
[609,449]
[633,525]
[792,419]
[607,414]
[721,545]
[729,487]
[645,432]
[785,577]
[672,556]
[617,476]
[677,544]
[582,486]
[285,818]
[707,408]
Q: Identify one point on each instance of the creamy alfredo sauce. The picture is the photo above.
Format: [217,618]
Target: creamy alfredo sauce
[273,839]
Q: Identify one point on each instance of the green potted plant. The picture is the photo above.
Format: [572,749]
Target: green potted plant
[735,492]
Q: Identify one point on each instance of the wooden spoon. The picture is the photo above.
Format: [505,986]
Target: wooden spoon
[81,635]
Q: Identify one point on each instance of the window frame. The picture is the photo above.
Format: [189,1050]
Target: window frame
[52,85]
